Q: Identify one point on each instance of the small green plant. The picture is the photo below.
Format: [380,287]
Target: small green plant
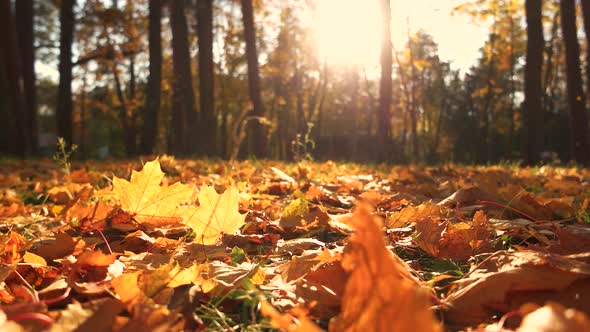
[238,255]
[584,216]
[236,310]
[63,156]
[303,146]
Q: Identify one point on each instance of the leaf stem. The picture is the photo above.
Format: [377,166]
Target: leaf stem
[41,318]
[493,203]
[105,240]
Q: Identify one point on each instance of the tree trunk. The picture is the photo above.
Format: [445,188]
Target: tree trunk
[208,119]
[254,79]
[64,96]
[11,63]
[548,94]
[578,116]
[586,15]
[184,116]
[533,107]
[488,104]
[149,132]
[413,104]
[24,26]
[385,86]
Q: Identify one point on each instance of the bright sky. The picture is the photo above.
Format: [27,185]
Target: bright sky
[349,30]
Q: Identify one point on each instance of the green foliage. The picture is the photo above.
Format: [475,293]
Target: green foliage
[238,255]
[236,310]
[303,146]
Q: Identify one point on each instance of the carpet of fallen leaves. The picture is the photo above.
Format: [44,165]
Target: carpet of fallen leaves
[185,245]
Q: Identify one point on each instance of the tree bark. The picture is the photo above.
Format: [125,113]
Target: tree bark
[184,116]
[259,139]
[385,86]
[149,132]
[586,15]
[24,26]
[578,116]
[64,97]
[533,94]
[12,65]
[208,119]
[413,104]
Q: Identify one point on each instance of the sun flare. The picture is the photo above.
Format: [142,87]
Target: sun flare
[348,32]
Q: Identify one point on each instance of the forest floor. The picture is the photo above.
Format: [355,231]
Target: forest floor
[212,245]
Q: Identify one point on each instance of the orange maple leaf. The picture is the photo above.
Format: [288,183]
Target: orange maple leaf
[380,294]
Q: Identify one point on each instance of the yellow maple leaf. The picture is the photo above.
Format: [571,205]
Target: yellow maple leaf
[215,216]
[144,197]
[149,202]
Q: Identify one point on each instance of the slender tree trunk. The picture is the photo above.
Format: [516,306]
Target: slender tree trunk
[385,86]
[12,65]
[149,132]
[549,70]
[206,77]
[64,96]
[586,15]
[24,26]
[354,112]
[412,104]
[578,113]
[83,113]
[184,116]
[126,126]
[533,107]
[253,78]
[488,105]
[299,113]
[512,81]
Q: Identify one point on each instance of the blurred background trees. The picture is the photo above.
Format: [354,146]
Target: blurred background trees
[234,79]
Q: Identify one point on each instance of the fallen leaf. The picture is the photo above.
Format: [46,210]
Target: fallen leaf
[553,317]
[380,294]
[287,322]
[34,260]
[144,197]
[8,325]
[215,216]
[193,275]
[489,288]
[62,246]
[71,318]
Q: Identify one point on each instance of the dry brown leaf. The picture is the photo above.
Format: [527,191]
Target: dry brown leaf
[429,232]
[413,214]
[380,294]
[322,289]
[453,241]
[62,246]
[496,284]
